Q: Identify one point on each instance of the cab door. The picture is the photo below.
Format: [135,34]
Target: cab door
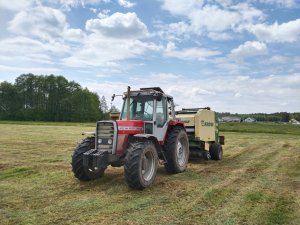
[160,119]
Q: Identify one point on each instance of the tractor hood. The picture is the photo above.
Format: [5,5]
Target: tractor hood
[130,126]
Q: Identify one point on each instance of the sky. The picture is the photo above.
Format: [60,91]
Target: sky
[234,56]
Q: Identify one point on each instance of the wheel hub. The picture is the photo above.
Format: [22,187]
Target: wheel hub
[148,166]
[180,153]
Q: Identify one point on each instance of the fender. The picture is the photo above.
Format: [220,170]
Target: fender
[173,123]
[152,138]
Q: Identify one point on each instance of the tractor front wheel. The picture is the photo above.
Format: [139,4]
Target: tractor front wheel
[216,151]
[176,150]
[140,165]
[78,169]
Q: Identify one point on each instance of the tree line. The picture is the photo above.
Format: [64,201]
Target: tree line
[264,117]
[49,98]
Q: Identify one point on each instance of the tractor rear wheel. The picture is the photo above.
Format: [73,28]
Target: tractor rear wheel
[78,169]
[140,165]
[176,150]
[216,151]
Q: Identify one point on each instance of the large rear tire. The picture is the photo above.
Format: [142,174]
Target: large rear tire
[216,151]
[78,169]
[176,150]
[140,165]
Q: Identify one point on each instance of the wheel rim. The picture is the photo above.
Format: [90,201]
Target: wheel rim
[220,153]
[181,153]
[148,166]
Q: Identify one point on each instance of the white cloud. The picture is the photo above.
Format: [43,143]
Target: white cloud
[162,77]
[118,25]
[189,53]
[126,3]
[182,7]
[69,4]
[212,19]
[15,5]
[36,70]
[25,45]
[242,92]
[104,13]
[45,31]
[98,50]
[279,59]
[249,49]
[281,3]
[42,22]
[219,36]
[285,32]
[173,31]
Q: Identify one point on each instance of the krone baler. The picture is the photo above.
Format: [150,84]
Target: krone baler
[202,127]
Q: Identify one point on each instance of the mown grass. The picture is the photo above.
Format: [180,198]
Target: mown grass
[272,128]
[82,124]
[257,182]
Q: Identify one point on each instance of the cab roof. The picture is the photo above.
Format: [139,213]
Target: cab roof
[152,91]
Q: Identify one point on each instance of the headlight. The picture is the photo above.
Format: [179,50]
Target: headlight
[99,141]
[109,141]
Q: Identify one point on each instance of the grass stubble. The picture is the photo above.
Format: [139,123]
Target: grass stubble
[257,182]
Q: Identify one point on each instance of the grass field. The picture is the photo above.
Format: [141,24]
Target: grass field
[257,182]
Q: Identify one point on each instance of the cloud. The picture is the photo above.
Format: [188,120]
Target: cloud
[280,3]
[98,50]
[16,5]
[44,31]
[41,22]
[249,49]
[44,23]
[24,45]
[24,70]
[126,3]
[285,32]
[279,59]
[104,13]
[241,92]
[189,53]
[182,7]
[118,25]
[162,77]
[67,5]
[214,20]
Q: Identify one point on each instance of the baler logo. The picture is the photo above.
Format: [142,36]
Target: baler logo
[207,124]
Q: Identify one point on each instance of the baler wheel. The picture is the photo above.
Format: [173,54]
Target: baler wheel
[216,151]
[78,169]
[141,164]
[176,150]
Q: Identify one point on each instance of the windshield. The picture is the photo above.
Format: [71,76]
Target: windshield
[141,108]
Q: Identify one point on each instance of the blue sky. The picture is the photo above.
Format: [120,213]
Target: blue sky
[236,56]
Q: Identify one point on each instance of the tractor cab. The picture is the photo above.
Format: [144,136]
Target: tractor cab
[152,106]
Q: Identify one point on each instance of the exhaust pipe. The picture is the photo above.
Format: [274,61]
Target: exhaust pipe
[128,103]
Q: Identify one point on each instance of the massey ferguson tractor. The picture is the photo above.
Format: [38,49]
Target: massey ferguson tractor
[147,133]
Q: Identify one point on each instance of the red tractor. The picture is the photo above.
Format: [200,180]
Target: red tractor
[147,133]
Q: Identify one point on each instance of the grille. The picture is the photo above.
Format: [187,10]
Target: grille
[106,136]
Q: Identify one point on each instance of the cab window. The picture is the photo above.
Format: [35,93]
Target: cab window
[161,112]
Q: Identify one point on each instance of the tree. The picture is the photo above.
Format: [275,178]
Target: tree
[103,105]
[47,98]
[114,109]
[10,102]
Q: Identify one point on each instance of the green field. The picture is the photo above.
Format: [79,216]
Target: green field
[257,182]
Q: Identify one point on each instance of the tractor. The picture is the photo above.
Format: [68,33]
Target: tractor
[146,134]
